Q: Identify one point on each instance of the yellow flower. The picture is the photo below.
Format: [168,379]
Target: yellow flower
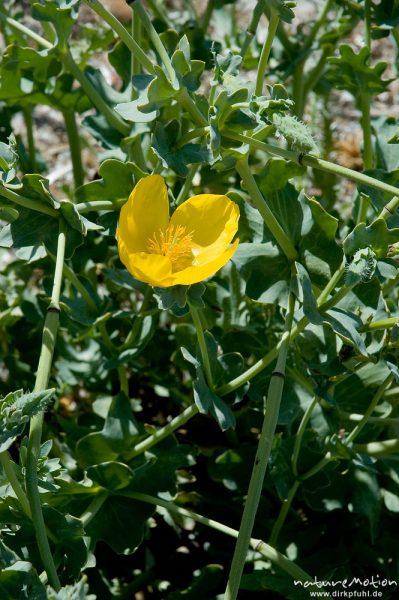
[188,247]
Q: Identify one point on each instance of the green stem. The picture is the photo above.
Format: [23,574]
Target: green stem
[202,344]
[85,207]
[299,435]
[389,209]
[262,457]
[154,37]
[308,160]
[318,24]
[123,380]
[367,23]
[376,398]
[187,184]
[74,147]
[264,57]
[27,202]
[252,27]
[158,12]
[382,421]
[122,33]
[381,324]
[35,433]
[73,278]
[112,117]
[93,508]
[133,333]
[164,432]
[258,545]
[298,82]
[314,75]
[30,137]
[192,135]
[294,461]
[9,470]
[23,29]
[278,524]
[270,220]
[317,467]
[187,102]
[367,151]
[135,64]
[331,285]
[342,292]
[378,449]
[367,132]
[206,17]
[354,433]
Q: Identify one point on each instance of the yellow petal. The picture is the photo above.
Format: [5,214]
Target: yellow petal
[150,268]
[198,273]
[145,213]
[213,221]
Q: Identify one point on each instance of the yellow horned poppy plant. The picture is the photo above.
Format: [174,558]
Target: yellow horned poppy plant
[188,247]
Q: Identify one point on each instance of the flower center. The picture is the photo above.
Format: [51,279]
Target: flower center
[175,243]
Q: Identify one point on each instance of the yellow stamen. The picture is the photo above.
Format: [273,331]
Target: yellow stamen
[173,242]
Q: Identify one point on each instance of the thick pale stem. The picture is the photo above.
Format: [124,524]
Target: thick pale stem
[261,460]
[264,57]
[35,433]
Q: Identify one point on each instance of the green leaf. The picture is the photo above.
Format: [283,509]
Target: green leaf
[206,400]
[116,183]
[69,533]
[76,591]
[387,153]
[161,88]
[308,298]
[61,13]
[119,433]
[165,145]
[188,72]
[112,475]
[367,498]
[206,583]
[385,17]
[76,220]
[32,230]
[352,72]
[265,270]
[20,581]
[158,474]
[16,409]
[284,9]
[120,523]
[376,236]
[346,325]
